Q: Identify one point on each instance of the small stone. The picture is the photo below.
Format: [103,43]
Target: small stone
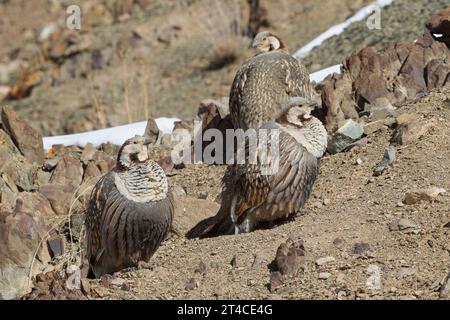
[324,275]
[388,159]
[429,194]
[359,161]
[73,281]
[234,262]
[118,282]
[406,117]
[345,135]
[404,224]
[191,285]
[373,283]
[50,163]
[360,248]
[445,288]
[86,286]
[55,246]
[326,201]
[201,268]
[325,260]
[403,272]
[339,242]
[290,258]
[88,153]
[373,127]
[68,172]
[152,132]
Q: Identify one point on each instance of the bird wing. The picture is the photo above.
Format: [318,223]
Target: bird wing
[93,220]
[118,228]
[269,198]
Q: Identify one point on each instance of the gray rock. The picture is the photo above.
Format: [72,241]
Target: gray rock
[290,257]
[388,159]
[25,137]
[21,234]
[325,260]
[88,153]
[68,172]
[373,283]
[110,149]
[21,172]
[37,203]
[73,281]
[91,172]
[152,132]
[445,288]
[50,163]
[8,191]
[59,196]
[360,248]
[345,135]
[56,246]
[324,275]
[402,224]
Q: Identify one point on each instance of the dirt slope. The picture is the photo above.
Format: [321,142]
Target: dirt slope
[348,206]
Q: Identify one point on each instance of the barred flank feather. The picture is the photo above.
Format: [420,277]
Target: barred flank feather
[121,231]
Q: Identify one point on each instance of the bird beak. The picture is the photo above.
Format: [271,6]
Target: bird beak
[255,44]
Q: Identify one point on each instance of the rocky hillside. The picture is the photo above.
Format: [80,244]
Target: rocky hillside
[135,59]
[377,223]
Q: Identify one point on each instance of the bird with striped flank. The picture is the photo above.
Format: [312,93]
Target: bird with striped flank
[129,213]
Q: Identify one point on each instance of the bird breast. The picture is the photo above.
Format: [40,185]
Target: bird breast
[142,183]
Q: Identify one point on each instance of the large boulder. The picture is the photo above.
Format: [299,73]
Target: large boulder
[25,137]
[22,255]
[396,74]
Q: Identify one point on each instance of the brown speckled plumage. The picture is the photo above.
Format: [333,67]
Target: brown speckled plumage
[129,214]
[257,199]
[262,83]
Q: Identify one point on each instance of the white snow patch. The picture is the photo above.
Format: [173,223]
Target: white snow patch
[322,74]
[118,135]
[115,135]
[339,28]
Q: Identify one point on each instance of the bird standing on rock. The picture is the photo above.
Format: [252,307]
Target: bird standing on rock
[250,198]
[129,212]
[264,81]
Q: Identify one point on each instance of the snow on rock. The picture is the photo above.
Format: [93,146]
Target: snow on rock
[322,74]
[339,28]
[115,135]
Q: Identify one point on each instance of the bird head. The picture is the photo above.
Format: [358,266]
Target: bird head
[296,112]
[266,41]
[133,151]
